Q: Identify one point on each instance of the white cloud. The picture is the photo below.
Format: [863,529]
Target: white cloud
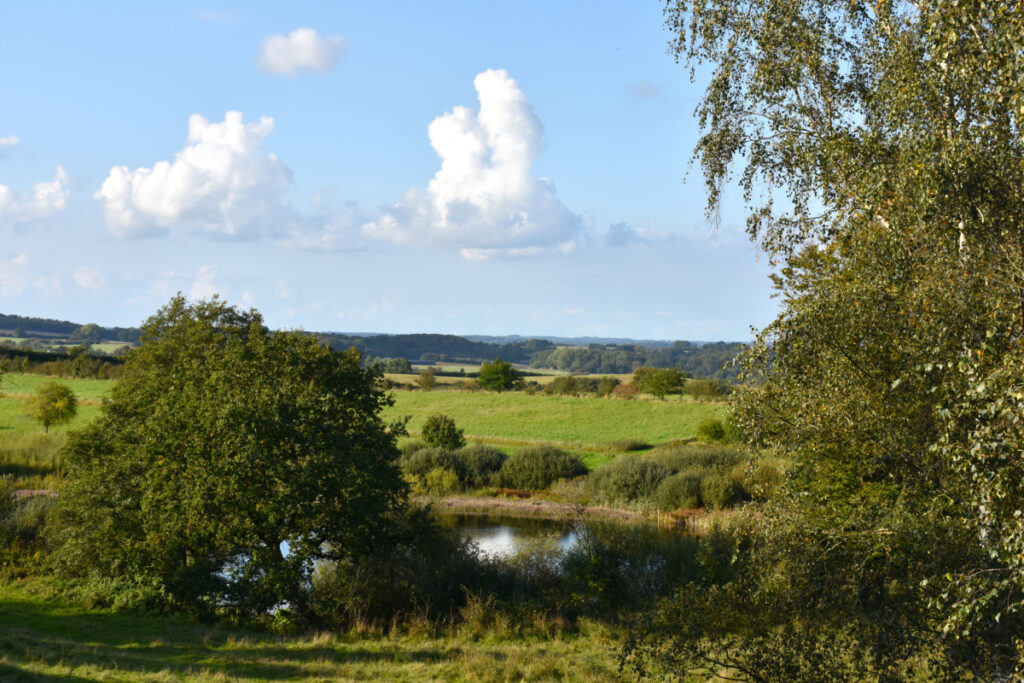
[301,50]
[14,274]
[8,143]
[483,200]
[52,284]
[337,231]
[46,199]
[88,277]
[222,181]
[204,287]
[282,290]
[622,235]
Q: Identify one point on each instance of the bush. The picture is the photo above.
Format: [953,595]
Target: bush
[439,431]
[707,389]
[627,479]
[699,457]
[763,480]
[680,491]
[441,481]
[710,430]
[411,447]
[537,467]
[479,465]
[720,491]
[606,385]
[421,461]
[629,445]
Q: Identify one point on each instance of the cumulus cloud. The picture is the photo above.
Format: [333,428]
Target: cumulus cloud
[45,199]
[301,50]
[88,277]
[14,274]
[223,181]
[204,287]
[484,200]
[8,143]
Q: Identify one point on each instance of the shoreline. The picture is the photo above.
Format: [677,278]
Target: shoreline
[694,521]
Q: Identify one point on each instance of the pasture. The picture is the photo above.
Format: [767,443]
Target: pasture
[44,639]
[577,423]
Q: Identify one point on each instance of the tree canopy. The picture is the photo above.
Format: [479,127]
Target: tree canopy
[53,403]
[221,443]
[881,157]
[498,375]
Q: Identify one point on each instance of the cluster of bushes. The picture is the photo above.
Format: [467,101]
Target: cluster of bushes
[685,477]
[570,385]
[75,363]
[440,471]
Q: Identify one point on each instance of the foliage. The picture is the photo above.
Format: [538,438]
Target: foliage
[680,491]
[890,133]
[221,442]
[426,379]
[439,431]
[707,389]
[498,376]
[658,381]
[627,479]
[54,403]
[479,465]
[537,467]
[397,366]
[716,360]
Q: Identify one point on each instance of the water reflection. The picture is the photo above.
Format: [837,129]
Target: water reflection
[501,537]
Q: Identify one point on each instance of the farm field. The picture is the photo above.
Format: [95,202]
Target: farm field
[14,388]
[42,639]
[26,384]
[581,423]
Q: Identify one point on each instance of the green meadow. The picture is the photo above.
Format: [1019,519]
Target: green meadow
[578,423]
[49,640]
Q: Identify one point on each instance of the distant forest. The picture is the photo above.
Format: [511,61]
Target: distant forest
[702,360]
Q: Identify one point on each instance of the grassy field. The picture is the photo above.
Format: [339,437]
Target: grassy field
[15,388]
[45,640]
[26,384]
[582,423]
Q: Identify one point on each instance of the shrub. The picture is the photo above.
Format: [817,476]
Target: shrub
[410,447]
[720,491]
[762,480]
[680,491]
[439,431]
[606,385]
[479,465]
[707,389]
[537,467]
[699,457]
[629,445]
[626,479]
[626,391]
[441,481]
[421,461]
[710,430]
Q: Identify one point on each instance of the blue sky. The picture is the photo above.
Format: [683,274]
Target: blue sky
[455,167]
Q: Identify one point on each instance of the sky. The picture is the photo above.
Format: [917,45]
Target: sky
[460,167]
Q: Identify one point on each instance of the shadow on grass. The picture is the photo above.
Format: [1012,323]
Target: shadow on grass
[44,635]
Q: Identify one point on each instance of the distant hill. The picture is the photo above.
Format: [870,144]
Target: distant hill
[593,355]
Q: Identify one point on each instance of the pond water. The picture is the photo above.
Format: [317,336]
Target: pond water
[501,536]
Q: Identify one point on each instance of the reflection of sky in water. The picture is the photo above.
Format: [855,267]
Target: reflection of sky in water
[501,540]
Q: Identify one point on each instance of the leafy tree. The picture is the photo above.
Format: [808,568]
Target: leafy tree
[498,376]
[658,381]
[54,403]
[221,442]
[89,334]
[426,379]
[891,132]
[439,431]
[398,366]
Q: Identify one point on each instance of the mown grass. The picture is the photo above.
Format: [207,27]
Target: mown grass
[27,384]
[42,639]
[590,424]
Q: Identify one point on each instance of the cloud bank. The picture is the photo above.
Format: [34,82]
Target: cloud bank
[223,181]
[484,200]
[46,199]
[301,50]
[8,143]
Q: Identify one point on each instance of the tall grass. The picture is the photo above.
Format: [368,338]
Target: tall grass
[33,454]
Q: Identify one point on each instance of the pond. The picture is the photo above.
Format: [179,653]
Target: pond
[501,536]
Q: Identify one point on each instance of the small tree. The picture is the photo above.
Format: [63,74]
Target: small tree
[426,380]
[498,376]
[439,431]
[54,403]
